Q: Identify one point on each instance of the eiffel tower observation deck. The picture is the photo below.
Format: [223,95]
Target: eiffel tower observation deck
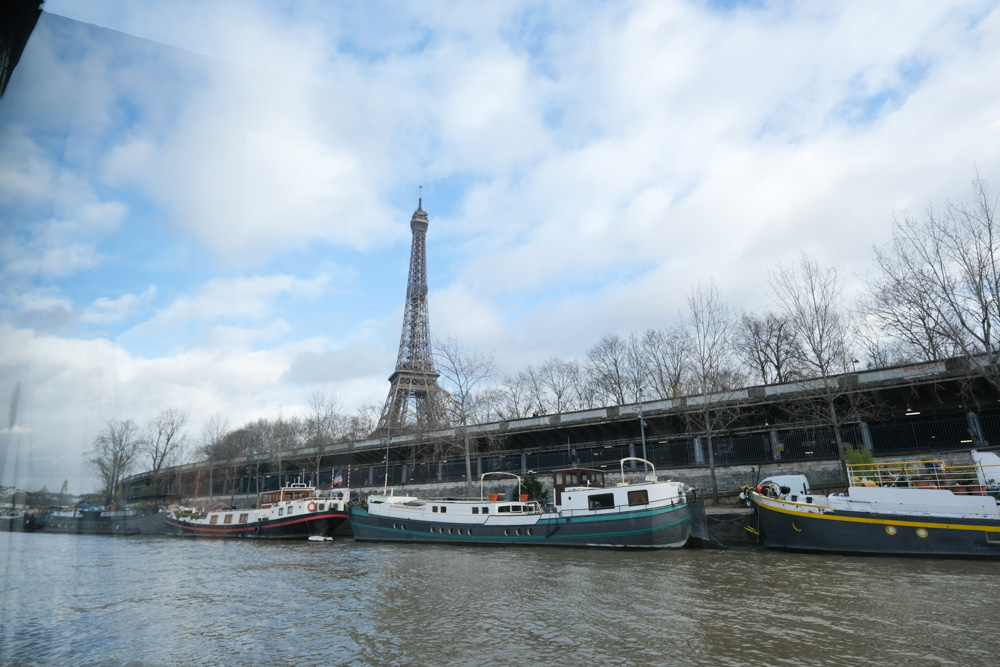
[414,401]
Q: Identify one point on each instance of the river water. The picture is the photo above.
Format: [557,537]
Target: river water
[92,600]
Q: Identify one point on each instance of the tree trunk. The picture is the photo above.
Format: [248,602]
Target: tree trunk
[836,436]
[468,463]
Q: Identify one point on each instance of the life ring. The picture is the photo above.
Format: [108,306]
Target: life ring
[311,507]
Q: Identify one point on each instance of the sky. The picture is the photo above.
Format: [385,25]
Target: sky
[206,205]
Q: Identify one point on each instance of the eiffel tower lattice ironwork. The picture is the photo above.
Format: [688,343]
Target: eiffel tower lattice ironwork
[414,399]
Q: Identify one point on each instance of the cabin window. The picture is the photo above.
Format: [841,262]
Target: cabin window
[228,519]
[434,508]
[214,520]
[559,478]
[244,517]
[601,501]
[640,497]
[571,478]
[291,509]
[281,511]
[516,508]
[475,510]
[486,510]
[443,509]
[322,507]
[504,509]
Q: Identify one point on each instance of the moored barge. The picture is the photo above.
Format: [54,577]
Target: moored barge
[585,513]
[910,508]
[296,511]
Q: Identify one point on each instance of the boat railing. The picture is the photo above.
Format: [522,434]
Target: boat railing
[962,480]
[650,476]
[482,478]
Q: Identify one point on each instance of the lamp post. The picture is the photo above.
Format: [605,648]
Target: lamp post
[642,432]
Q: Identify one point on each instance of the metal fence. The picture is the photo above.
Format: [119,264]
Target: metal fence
[913,435]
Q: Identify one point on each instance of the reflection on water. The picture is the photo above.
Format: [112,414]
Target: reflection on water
[77,599]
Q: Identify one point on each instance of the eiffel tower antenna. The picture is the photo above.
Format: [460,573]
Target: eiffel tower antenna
[414,400]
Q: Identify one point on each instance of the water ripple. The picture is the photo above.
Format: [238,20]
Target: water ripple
[88,600]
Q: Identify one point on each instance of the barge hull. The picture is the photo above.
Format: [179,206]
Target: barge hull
[869,534]
[661,528]
[301,527]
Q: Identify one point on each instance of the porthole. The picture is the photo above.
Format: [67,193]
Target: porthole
[432,529]
[529,531]
[402,526]
[891,530]
[517,532]
[505,532]
[394,526]
[459,531]
[449,531]
[468,532]
[921,532]
[795,525]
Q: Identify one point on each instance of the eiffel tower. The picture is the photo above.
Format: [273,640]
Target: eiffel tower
[414,401]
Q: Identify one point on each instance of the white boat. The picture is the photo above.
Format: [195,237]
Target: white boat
[584,512]
[296,511]
[923,508]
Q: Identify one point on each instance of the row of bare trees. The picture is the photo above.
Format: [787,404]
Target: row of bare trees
[933,294]
[121,446]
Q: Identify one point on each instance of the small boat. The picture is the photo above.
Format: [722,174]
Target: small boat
[18,522]
[585,512]
[296,511]
[88,520]
[909,508]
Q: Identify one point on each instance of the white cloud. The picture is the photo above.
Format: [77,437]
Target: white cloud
[106,309]
[248,298]
[585,166]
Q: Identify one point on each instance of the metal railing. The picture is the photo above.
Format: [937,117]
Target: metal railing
[979,480]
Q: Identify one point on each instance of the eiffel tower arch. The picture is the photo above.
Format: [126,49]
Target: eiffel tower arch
[414,401]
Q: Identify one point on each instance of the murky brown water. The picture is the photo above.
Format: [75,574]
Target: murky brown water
[88,600]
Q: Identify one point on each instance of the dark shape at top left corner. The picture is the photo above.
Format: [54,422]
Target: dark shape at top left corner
[17,20]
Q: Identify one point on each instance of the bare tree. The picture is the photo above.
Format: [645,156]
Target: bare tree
[462,369]
[556,379]
[768,347]
[113,454]
[516,396]
[809,296]
[712,363]
[164,440]
[608,363]
[213,432]
[879,350]
[939,283]
[667,353]
[363,422]
[324,422]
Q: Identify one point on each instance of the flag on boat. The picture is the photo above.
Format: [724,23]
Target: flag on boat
[338,479]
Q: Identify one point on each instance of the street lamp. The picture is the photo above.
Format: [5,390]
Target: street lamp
[642,431]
